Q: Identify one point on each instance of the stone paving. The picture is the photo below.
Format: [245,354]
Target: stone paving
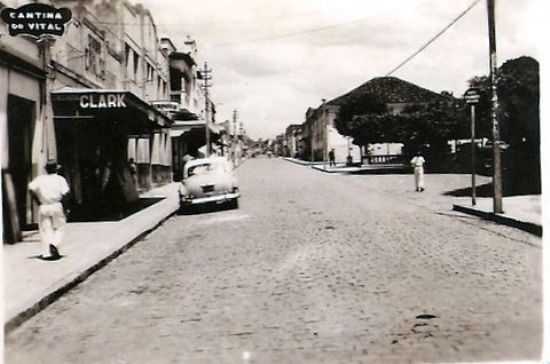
[312,268]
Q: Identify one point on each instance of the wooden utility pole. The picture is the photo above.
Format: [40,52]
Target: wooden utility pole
[497,166]
[205,85]
[234,147]
[473,151]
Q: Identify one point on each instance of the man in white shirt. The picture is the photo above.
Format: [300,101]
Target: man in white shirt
[418,164]
[49,190]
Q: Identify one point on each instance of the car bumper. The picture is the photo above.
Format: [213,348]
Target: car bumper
[226,197]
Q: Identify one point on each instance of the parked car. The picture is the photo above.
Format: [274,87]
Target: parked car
[208,181]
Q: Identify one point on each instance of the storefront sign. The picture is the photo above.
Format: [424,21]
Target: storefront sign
[36,19]
[103,101]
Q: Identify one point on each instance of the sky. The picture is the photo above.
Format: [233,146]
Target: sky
[272,60]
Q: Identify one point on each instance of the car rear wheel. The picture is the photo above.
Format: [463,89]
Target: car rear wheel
[234,204]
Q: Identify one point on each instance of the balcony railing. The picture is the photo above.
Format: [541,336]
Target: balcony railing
[384,159]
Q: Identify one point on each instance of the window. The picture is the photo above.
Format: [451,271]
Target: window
[94,61]
[150,72]
[127,52]
[136,65]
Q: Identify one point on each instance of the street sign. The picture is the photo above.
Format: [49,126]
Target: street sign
[472,96]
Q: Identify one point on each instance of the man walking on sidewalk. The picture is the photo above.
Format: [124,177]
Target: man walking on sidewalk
[49,190]
[418,164]
[331,158]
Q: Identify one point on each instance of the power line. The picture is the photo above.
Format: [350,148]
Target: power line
[293,34]
[433,39]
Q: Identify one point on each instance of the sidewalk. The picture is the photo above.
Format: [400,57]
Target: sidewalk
[364,169]
[341,167]
[302,162]
[30,284]
[522,212]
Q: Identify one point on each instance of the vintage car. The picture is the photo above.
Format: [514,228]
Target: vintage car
[208,181]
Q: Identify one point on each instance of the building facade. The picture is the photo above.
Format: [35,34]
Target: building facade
[293,136]
[320,136]
[194,110]
[27,129]
[85,100]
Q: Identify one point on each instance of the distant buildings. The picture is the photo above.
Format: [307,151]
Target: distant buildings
[318,134]
[293,137]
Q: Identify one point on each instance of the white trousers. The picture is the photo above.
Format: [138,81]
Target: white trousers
[51,225]
[419,177]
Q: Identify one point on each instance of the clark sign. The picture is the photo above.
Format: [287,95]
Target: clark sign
[36,19]
[103,101]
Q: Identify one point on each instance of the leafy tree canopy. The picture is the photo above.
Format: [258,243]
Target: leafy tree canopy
[518,96]
[367,119]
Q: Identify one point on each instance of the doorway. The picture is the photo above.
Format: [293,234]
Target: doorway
[21,116]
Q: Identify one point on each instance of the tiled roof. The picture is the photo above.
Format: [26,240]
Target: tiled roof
[391,90]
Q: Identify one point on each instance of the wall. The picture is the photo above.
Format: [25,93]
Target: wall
[4,117]
[191,96]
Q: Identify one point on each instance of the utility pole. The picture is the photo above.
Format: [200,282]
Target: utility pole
[205,85]
[473,151]
[234,137]
[497,166]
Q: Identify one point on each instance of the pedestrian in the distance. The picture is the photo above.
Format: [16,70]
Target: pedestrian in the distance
[50,191]
[331,158]
[418,164]
[133,171]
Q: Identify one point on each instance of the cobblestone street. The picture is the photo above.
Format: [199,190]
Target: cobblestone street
[312,267]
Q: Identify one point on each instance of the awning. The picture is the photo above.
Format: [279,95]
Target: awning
[176,133]
[194,136]
[86,103]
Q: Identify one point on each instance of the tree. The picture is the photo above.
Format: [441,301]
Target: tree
[433,123]
[519,120]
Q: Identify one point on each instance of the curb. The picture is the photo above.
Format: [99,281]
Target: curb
[535,229]
[78,278]
[359,170]
[318,168]
[301,162]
